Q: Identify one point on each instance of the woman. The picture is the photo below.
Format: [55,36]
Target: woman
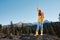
[40,21]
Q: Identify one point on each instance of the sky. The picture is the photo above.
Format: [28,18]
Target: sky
[26,10]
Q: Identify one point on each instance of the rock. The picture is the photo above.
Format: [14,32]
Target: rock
[31,37]
[47,37]
[39,37]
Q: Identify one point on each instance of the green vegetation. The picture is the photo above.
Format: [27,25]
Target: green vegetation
[52,28]
[0,28]
[7,31]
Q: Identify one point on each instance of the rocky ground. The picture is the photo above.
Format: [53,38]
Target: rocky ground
[29,37]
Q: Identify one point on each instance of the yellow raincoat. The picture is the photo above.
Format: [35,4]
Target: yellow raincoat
[40,16]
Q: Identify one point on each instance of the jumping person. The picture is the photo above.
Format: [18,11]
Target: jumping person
[40,21]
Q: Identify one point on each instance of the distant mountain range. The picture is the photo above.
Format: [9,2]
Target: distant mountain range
[46,21]
[25,24]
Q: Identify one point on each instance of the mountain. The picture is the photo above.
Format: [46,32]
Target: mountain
[46,21]
[19,24]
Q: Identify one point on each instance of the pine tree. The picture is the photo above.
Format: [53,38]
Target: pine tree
[12,28]
[7,31]
[0,28]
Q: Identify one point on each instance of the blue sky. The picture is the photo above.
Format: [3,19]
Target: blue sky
[25,10]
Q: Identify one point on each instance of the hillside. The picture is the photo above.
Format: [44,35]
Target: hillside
[50,28]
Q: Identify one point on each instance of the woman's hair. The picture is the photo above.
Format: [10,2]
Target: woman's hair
[39,12]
